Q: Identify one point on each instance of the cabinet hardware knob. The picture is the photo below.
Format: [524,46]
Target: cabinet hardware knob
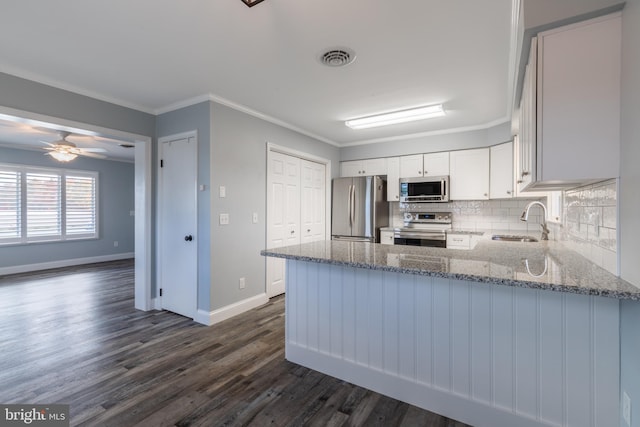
[308,230]
[292,231]
[508,192]
[525,173]
[519,181]
[485,194]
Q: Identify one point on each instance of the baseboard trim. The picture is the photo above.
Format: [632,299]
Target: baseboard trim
[156,303]
[26,268]
[212,317]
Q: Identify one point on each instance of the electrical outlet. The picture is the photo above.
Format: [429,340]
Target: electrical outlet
[222,191]
[224,219]
[241,283]
[115,244]
[626,408]
[254,218]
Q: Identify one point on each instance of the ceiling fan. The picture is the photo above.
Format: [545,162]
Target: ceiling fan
[65,151]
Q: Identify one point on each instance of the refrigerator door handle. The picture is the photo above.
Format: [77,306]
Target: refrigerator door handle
[353,205]
[349,205]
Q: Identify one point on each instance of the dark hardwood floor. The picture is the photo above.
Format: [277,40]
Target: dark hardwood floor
[72,336]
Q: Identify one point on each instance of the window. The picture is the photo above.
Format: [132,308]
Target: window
[38,204]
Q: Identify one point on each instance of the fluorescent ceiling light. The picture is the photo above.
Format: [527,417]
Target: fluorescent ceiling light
[396,117]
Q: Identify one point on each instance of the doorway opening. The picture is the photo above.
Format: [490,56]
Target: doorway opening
[142,192]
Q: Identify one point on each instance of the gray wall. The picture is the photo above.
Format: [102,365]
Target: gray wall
[116,192]
[238,159]
[629,197]
[195,117]
[34,97]
[430,144]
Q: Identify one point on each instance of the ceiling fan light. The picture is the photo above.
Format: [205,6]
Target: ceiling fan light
[395,117]
[63,156]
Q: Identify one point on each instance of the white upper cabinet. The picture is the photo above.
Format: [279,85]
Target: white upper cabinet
[501,171]
[577,105]
[469,174]
[393,179]
[411,166]
[364,167]
[526,140]
[436,164]
[432,164]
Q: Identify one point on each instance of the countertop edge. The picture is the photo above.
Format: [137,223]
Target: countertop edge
[621,295]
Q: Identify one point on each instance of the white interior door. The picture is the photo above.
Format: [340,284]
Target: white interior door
[178,263]
[283,213]
[313,199]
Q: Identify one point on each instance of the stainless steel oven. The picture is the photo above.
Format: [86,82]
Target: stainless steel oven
[423,229]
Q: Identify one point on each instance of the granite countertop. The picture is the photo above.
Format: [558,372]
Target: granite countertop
[541,265]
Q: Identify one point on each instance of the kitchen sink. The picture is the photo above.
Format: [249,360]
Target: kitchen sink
[512,238]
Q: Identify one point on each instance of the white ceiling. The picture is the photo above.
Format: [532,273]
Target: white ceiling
[155,55]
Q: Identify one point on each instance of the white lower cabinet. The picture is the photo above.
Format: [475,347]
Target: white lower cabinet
[458,241]
[386,237]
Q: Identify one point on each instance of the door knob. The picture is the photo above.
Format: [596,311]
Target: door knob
[188,238]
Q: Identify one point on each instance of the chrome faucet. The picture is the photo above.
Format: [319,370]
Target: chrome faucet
[543,224]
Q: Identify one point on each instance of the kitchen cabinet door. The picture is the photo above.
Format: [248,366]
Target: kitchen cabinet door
[374,166]
[469,174]
[393,179]
[411,166]
[366,167]
[526,141]
[386,237]
[579,101]
[570,107]
[351,168]
[501,171]
[436,164]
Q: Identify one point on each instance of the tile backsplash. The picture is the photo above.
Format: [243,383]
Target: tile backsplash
[475,215]
[590,223]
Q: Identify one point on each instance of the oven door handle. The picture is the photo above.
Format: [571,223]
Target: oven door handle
[435,236]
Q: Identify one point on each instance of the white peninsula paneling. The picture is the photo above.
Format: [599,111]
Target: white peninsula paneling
[487,355]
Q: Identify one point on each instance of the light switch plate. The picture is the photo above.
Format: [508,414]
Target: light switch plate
[224,219]
[254,218]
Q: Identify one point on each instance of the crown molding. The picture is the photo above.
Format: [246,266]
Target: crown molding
[243,109]
[73,89]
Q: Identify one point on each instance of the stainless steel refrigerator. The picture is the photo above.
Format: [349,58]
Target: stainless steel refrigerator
[359,208]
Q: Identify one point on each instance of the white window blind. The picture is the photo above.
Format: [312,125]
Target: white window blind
[43,204]
[80,205]
[44,210]
[10,205]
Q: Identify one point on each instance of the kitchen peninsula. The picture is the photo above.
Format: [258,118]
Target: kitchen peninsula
[507,333]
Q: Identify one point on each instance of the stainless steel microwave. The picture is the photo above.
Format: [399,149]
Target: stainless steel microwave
[424,189]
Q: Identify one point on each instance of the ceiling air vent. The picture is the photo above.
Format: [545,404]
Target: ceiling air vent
[338,57]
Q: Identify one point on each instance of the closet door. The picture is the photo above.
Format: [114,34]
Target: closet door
[283,211]
[296,209]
